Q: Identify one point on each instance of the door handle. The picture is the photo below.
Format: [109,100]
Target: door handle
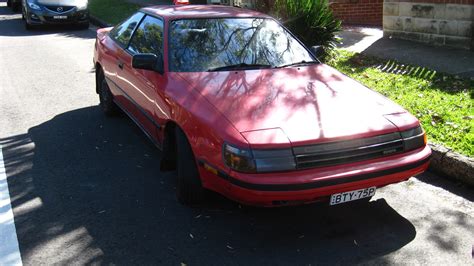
[120,65]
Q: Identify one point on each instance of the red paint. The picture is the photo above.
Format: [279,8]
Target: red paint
[269,108]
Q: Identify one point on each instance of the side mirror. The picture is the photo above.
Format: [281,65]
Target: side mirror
[317,50]
[148,62]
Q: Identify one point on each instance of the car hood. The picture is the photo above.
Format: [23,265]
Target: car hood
[295,105]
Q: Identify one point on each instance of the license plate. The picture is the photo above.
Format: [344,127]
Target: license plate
[60,17]
[352,195]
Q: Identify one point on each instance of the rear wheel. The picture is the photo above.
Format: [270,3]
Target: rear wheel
[189,188]
[106,98]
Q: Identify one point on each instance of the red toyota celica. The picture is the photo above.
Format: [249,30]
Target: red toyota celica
[241,107]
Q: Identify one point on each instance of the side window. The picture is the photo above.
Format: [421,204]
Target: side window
[123,32]
[148,38]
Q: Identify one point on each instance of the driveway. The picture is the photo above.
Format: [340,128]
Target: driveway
[87,189]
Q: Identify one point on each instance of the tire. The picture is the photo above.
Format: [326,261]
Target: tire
[189,190]
[106,98]
[83,26]
[28,26]
[15,6]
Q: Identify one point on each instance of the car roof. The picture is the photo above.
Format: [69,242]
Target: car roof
[200,11]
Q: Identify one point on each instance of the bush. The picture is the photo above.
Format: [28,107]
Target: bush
[312,21]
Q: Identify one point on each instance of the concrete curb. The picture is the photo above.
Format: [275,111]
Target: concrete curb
[451,164]
[99,22]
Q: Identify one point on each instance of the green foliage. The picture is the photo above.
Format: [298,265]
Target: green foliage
[443,103]
[112,11]
[312,21]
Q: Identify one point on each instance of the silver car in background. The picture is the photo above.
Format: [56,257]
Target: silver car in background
[54,12]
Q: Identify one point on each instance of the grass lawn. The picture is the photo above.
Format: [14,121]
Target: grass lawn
[112,11]
[443,103]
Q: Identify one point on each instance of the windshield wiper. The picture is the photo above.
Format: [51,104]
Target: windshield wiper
[239,66]
[301,63]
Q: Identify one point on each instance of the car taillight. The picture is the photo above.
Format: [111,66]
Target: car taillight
[181,2]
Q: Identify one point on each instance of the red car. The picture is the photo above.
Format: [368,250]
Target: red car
[241,107]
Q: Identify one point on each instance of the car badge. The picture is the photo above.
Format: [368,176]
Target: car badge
[60,9]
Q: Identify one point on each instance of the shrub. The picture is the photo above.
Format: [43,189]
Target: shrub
[312,21]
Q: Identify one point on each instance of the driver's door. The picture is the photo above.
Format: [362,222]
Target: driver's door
[144,86]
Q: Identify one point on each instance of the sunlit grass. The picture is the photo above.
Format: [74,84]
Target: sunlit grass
[112,11]
[443,103]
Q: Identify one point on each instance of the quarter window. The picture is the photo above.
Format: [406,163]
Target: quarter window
[148,38]
[123,32]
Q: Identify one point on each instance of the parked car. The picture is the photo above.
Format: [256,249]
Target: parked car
[239,106]
[14,4]
[49,12]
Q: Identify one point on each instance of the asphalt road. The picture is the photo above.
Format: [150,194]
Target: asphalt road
[87,189]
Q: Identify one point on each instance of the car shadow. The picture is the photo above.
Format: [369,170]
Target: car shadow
[11,25]
[87,189]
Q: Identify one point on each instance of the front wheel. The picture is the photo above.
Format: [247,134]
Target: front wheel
[83,26]
[15,6]
[106,98]
[189,188]
[28,26]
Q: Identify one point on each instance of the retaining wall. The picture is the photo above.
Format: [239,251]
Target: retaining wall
[438,22]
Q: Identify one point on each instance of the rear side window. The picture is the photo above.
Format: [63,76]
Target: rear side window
[148,38]
[123,32]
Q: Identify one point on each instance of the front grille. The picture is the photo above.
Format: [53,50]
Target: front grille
[339,152]
[59,9]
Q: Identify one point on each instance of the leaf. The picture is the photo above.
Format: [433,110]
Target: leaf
[437,118]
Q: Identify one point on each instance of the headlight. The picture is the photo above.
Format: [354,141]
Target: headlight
[240,160]
[34,6]
[413,138]
[252,161]
[81,5]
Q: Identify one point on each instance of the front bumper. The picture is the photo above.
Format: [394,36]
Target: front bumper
[312,185]
[47,17]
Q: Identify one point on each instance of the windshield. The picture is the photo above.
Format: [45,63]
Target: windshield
[197,45]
